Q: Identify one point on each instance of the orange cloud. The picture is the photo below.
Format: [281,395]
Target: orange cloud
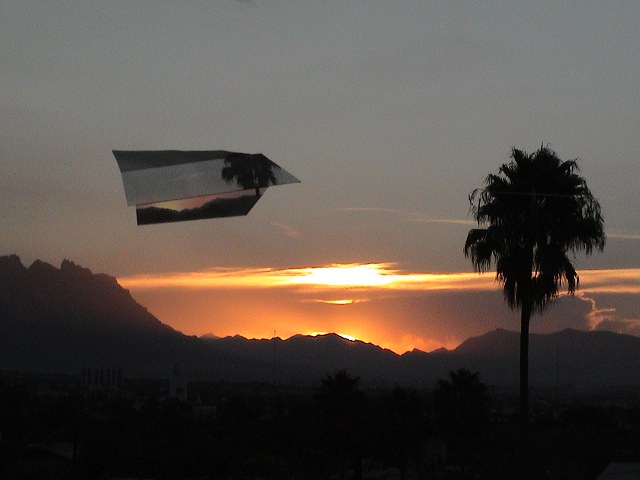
[355,280]
[341,301]
[363,276]
[623,280]
[335,276]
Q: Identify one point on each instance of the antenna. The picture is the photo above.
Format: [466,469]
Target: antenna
[557,368]
[273,363]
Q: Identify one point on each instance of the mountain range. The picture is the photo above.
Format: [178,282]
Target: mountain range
[66,319]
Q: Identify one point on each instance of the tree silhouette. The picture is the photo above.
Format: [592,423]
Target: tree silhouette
[405,427]
[462,403]
[249,171]
[342,412]
[536,210]
[462,406]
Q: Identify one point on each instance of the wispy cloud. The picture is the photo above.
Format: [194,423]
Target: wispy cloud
[288,230]
[419,217]
[367,276]
[624,235]
[413,217]
[367,210]
[622,280]
[334,276]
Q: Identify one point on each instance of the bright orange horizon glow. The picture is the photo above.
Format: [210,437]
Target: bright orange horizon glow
[254,301]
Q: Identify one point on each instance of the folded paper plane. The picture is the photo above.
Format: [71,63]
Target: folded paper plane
[172,185]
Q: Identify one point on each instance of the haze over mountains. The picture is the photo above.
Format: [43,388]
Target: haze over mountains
[66,319]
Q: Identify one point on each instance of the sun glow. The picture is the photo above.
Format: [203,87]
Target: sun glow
[373,302]
[347,275]
[351,338]
[381,276]
[334,276]
[341,301]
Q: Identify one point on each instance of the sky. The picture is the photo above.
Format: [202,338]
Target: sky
[389,113]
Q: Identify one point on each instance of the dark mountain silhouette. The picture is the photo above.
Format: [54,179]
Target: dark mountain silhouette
[66,319]
[568,357]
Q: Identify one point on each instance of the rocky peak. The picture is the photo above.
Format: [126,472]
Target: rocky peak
[71,269]
[11,265]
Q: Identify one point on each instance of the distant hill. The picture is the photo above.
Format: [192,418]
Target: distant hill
[65,319]
[570,357]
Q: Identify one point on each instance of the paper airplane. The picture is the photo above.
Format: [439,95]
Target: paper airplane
[173,185]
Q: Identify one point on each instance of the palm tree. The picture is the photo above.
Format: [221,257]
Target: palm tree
[462,407]
[404,427]
[250,171]
[342,402]
[536,210]
[462,403]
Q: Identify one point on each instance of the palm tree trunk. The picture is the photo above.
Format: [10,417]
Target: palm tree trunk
[524,362]
[527,307]
[525,448]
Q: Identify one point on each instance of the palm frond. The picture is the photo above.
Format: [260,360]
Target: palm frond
[536,210]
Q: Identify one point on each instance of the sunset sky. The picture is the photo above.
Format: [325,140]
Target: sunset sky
[389,113]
